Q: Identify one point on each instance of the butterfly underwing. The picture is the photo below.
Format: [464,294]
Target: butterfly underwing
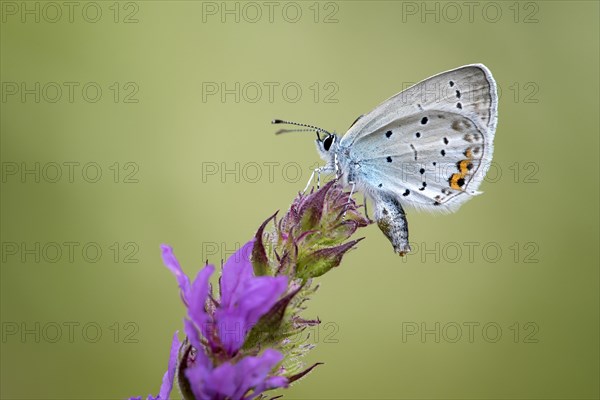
[428,147]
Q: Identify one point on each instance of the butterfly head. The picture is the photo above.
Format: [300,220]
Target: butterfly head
[327,145]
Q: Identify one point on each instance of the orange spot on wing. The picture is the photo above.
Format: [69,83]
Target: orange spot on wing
[462,167]
[454,181]
[457,180]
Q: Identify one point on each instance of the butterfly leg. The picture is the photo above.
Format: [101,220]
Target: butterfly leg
[351,190]
[319,178]
[312,176]
[391,219]
[349,198]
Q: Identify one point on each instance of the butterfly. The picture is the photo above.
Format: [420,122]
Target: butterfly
[428,147]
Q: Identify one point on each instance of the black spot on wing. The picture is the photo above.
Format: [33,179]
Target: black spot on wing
[414,151]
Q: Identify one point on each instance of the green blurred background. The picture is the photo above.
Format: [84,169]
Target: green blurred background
[171,103]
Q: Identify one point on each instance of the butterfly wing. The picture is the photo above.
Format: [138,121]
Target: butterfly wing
[431,144]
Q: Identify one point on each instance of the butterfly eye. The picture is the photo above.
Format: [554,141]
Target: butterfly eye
[328,142]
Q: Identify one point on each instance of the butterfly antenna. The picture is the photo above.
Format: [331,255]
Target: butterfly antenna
[312,127]
[279,132]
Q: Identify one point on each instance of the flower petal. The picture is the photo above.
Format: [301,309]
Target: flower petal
[171,262]
[255,299]
[167,382]
[232,329]
[192,333]
[197,376]
[272,382]
[233,381]
[197,299]
[260,295]
[223,381]
[236,271]
[253,371]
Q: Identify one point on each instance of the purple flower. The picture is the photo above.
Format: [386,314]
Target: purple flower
[238,343]
[235,381]
[244,299]
[218,330]
[167,382]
